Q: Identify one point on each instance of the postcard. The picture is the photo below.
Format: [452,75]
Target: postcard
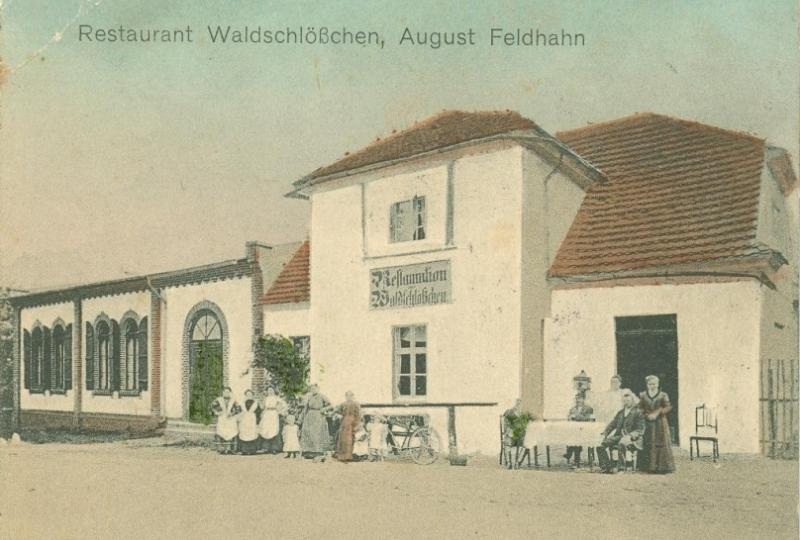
[399,270]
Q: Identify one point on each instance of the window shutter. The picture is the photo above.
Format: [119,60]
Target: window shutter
[115,356]
[26,352]
[68,358]
[393,222]
[89,363]
[47,360]
[142,337]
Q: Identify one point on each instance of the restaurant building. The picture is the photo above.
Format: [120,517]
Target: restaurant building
[473,258]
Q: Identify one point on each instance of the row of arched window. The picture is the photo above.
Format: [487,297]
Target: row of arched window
[48,358]
[116,356]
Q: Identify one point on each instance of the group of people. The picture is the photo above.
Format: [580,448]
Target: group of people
[633,425]
[313,428]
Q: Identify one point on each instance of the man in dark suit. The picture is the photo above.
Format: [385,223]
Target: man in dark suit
[624,432]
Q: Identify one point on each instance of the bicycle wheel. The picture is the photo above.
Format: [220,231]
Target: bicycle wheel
[425,445]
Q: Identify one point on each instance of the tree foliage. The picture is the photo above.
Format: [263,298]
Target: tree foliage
[286,367]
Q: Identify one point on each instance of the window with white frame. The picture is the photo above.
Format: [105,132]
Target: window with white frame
[410,361]
[303,345]
[407,220]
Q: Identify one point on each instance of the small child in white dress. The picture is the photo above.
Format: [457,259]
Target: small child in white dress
[378,430]
[361,442]
[291,442]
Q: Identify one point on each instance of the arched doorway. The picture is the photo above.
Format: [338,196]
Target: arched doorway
[206,350]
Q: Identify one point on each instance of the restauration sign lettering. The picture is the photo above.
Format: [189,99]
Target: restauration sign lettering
[410,285]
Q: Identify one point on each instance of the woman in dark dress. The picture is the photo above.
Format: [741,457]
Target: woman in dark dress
[350,412]
[657,454]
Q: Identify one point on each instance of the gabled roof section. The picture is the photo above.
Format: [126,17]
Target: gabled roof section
[439,131]
[293,284]
[678,193]
[446,131]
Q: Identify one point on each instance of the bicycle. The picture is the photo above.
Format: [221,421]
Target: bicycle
[410,436]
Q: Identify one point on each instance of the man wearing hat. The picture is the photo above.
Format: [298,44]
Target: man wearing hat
[624,432]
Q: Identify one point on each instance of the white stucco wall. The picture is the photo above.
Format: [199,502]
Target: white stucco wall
[473,343]
[550,202]
[287,320]
[115,307]
[233,297]
[46,315]
[718,349]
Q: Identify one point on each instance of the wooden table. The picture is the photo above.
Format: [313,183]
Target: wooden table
[549,433]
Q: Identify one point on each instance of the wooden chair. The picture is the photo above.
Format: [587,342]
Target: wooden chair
[613,455]
[705,429]
[520,453]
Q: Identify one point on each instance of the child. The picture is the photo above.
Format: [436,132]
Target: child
[361,443]
[291,444]
[579,413]
[378,430]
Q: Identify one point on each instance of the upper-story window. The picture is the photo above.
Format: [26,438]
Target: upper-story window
[407,220]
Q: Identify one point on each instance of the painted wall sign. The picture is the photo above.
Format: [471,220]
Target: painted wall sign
[410,285]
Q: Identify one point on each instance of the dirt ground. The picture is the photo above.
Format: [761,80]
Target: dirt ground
[139,489]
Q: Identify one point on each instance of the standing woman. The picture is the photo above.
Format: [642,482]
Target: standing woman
[315,439]
[657,454]
[270,427]
[248,425]
[350,412]
[226,409]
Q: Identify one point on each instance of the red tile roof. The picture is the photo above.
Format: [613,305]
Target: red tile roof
[445,129]
[678,193]
[293,283]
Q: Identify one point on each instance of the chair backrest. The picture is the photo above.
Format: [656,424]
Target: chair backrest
[705,418]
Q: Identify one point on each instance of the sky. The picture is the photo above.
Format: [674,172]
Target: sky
[121,159]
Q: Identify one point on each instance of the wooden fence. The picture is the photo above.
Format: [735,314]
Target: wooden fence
[779,408]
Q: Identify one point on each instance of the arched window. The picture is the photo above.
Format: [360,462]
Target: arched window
[59,357]
[37,360]
[103,356]
[130,377]
[89,365]
[206,369]
[206,327]
[68,357]
[142,365]
[26,348]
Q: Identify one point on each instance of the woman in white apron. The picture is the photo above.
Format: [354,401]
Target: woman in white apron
[269,429]
[226,410]
[248,425]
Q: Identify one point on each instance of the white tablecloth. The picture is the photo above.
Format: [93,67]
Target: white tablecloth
[563,433]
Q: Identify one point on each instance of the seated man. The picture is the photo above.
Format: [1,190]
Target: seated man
[624,432]
[581,412]
[515,420]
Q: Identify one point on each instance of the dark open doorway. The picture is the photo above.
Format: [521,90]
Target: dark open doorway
[648,345]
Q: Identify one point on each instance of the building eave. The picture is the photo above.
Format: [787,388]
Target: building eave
[175,278]
[758,267]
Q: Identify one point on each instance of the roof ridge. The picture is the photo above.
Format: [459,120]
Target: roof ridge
[593,126]
[458,127]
